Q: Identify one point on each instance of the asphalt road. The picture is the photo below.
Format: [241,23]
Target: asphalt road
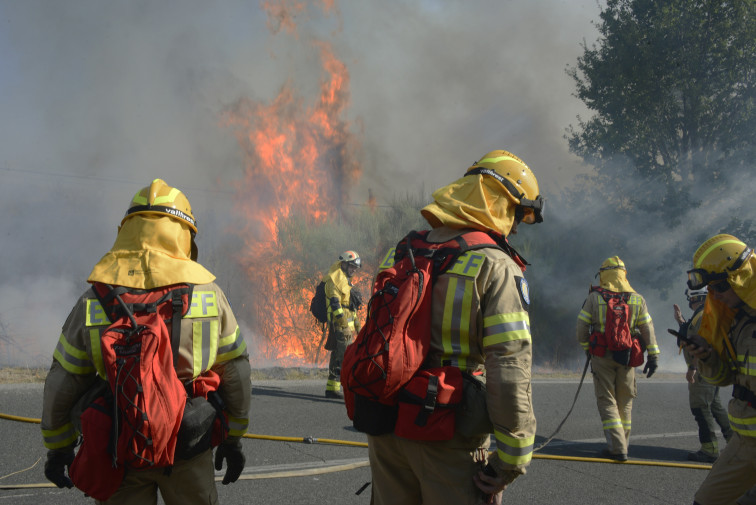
[318,473]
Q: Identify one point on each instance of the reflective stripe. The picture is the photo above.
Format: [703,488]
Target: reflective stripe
[719,374]
[388,260]
[455,326]
[714,246]
[506,328]
[746,426]
[627,425]
[498,159]
[237,426]
[514,451]
[747,367]
[611,424]
[159,200]
[59,438]
[230,347]
[585,345]
[653,349]
[75,361]
[644,319]
[95,315]
[585,316]
[204,304]
[333,385]
[95,334]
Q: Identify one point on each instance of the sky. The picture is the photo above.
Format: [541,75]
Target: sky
[98,98]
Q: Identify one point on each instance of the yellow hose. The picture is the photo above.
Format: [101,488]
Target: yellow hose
[313,440]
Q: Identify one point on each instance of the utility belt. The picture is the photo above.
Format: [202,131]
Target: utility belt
[740,392]
[435,404]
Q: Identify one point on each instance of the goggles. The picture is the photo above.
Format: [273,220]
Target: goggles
[699,278]
[532,210]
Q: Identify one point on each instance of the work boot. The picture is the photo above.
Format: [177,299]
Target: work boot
[334,394]
[615,457]
[702,457]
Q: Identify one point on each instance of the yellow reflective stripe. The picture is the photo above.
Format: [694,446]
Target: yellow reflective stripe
[498,159]
[627,425]
[94,344]
[204,304]
[653,349]
[747,367]
[446,322]
[204,345]
[468,264]
[585,345]
[231,346]
[714,246]
[333,385]
[585,316]
[514,451]
[611,424]
[95,315]
[237,426]
[60,437]
[75,361]
[644,319]
[388,260]
[197,340]
[718,376]
[506,328]
[744,425]
[169,198]
[455,331]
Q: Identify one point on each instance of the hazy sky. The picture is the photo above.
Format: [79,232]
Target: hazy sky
[98,98]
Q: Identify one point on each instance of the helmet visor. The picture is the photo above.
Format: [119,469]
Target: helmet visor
[698,278]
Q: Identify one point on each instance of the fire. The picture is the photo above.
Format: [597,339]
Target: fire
[299,161]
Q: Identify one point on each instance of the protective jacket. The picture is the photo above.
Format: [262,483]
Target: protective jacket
[210,340]
[480,323]
[338,288]
[740,372]
[592,317]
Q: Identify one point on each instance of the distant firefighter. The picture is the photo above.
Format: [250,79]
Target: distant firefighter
[614,328]
[342,302]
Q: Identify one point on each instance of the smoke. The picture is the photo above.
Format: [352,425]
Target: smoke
[98,98]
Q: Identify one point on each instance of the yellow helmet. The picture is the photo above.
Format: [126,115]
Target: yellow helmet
[516,177]
[715,258]
[613,263]
[160,198]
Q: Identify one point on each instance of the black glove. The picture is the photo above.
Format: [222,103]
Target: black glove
[55,466]
[652,363]
[232,453]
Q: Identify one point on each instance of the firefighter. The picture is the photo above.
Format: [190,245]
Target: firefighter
[613,370]
[703,397]
[154,248]
[343,301]
[725,348]
[479,324]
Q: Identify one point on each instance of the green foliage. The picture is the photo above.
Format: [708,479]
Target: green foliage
[673,89]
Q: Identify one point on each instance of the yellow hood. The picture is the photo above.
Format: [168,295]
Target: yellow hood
[613,276]
[717,317]
[339,278]
[471,202]
[150,252]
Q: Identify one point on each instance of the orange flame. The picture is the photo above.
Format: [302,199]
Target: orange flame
[299,160]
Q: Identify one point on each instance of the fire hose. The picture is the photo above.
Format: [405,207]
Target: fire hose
[344,466]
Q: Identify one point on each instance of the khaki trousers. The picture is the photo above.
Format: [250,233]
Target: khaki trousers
[615,389]
[733,476]
[408,472]
[189,482]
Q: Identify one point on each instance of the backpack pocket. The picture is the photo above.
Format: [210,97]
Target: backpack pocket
[472,412]
[427,404]
[93,470]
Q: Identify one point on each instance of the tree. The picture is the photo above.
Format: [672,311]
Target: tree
[672,84]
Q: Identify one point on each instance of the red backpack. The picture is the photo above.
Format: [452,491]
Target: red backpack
[394,341]
[617,336]
[147,400]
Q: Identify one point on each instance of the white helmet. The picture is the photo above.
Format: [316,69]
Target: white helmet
[351,258]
